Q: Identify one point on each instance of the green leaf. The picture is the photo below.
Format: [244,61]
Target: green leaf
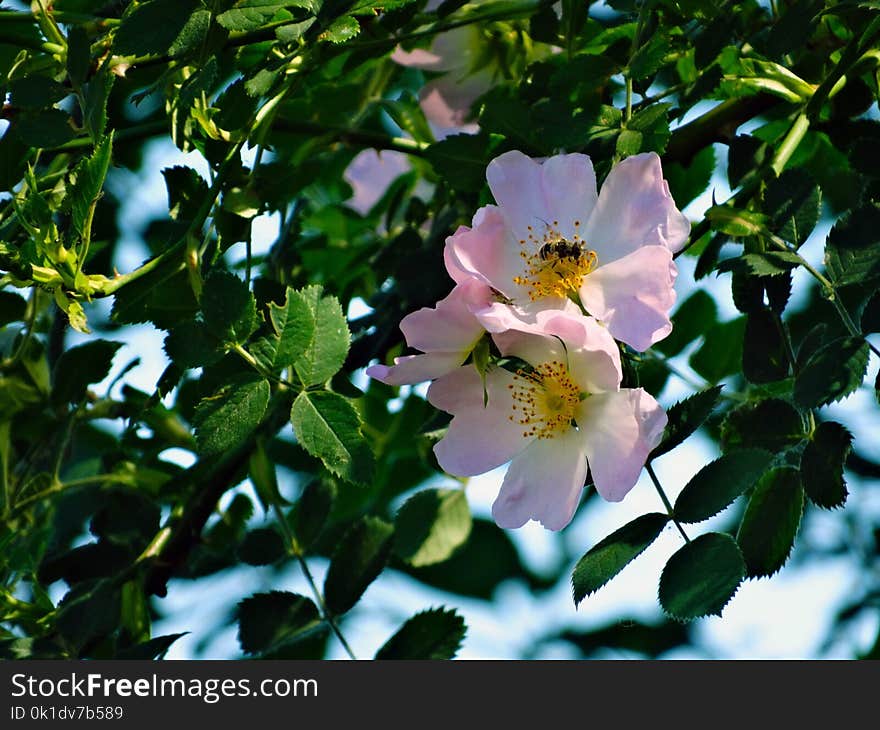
[262,472]
[833,372]
[36,91]
[720,354]
[294,323]
[431,526]
[153,27]
[187,191]
[695,315]
[325,353]
[248,15]
[357,561]
[88,611]
[45,128]
[267,620]
[80,366]
[433,634]
[771,521]
[12,308]
[229,308]
[822,464]
[191,345]
[607,558]
[701,578]
[685,417]
[192,35]
[647,131]
[154,648]
[648,59]
[311,512]
[770,424]
[262,546]
[686,183]
[146,298]
[461,160]
[88,181]
[720,482]
[736,223]
[852,253]
[765,356]
[408,115]
[794,202]
[329,427]
[227,418]
[96,94]
[341,30]
[768,263]
[79,56]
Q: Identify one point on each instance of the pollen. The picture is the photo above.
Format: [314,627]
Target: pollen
[544,400]
[554,266]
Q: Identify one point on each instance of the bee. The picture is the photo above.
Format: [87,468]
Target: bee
[561,249]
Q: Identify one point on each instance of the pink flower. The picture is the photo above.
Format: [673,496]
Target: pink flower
[370,174]
[551,419]
[460,55]
[552,236]
[445,334]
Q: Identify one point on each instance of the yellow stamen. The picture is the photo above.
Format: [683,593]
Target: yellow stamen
[544,400]
[554,265]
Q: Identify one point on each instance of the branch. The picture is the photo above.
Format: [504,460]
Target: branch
[719,124]
[209,478]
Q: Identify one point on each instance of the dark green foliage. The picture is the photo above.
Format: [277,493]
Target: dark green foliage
[226,418]
[851,251]
[833,372]
[431,526]
[81,366]
[771,424]
[771,521]
[433,634]
[685,417]
[822,464]
[311,512]
[269,620]
[702,577]
[328,427]
[720,482]
[608,557]
[357,560]
[765,355]
[262,547]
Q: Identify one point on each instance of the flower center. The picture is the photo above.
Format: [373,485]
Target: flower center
[544,400]
[554,266]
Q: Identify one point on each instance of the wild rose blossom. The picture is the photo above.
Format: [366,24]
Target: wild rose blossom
[552,418]
[552,235]
[554,273]
[446,334]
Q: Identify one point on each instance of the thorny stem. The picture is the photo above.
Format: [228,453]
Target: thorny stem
[666,502]
[830,293]
[294,549]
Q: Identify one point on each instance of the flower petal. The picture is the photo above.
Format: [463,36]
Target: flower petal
[413,369]
[486,252]
[450,326]
[619,431]
[534,335]
[561,190]
[525,317]
[635,209]
[633,295]
[480,437]
[543,483]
